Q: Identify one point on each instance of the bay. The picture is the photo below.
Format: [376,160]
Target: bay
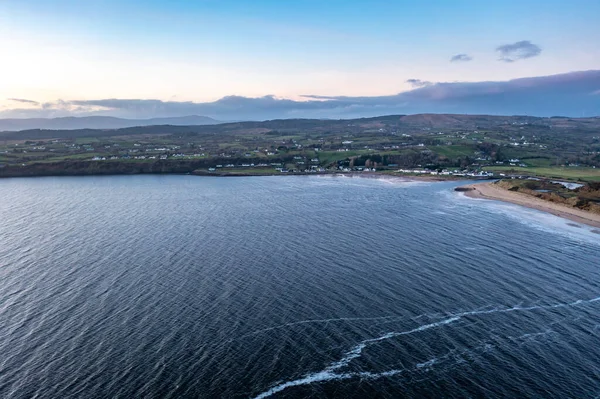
[184,286]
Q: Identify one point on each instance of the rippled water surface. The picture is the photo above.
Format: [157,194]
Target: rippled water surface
[286,287]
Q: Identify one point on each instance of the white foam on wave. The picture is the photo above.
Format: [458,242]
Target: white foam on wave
[427,364]
[330,372]
[309,379]
[357,180]
[534,218]
[356,352]
[532,336]
[400,181]
[317,321]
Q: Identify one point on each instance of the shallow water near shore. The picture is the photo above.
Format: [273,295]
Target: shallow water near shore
[534,218]
[185,286]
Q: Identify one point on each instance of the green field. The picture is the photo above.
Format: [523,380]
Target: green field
[566,173]
[241,171]
[327,157]
[453,151]
[545,146]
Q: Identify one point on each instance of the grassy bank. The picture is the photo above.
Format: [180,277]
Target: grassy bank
[563,173]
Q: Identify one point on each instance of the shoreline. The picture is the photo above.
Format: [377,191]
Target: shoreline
[478,189]
[346,174]
[81,173]
[491,192]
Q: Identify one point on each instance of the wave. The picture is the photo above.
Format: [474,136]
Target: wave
[330,372]
[316,321]
[356,179]
[539,220]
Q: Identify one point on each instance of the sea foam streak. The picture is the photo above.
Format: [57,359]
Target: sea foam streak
[317,321]
[330,372]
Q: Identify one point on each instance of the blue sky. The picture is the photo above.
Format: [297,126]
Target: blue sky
[57,53]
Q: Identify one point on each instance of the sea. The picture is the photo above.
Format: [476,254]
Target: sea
[168,286]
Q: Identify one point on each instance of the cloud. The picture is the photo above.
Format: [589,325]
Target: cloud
[418,82]
[564,94]
[518,51]
[461,58]
[22,100]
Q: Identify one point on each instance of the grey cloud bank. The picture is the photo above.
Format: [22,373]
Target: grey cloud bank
[568,94]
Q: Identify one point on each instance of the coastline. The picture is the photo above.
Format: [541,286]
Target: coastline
[88,168]
[492,192]
[374,175]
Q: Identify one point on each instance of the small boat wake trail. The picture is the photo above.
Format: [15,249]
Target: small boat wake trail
[332,373]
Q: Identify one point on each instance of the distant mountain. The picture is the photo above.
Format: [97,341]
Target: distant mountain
[99,122]
[417,123]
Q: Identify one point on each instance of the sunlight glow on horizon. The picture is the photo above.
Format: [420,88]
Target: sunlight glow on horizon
[202,52]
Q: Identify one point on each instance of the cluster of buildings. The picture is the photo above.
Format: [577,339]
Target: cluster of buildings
[445,172]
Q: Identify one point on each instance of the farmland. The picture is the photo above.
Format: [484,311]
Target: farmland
[566,148]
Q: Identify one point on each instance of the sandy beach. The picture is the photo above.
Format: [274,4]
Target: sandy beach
[493,192]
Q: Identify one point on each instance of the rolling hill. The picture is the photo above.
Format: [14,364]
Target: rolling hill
[99,122]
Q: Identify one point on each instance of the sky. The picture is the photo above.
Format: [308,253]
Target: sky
[263,59]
